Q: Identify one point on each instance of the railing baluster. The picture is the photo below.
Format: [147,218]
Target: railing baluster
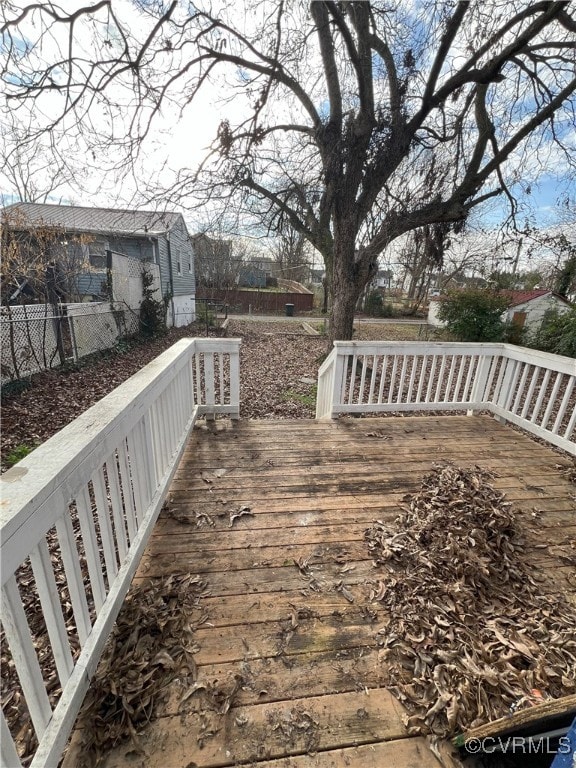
[431,379]
[116,506]
[520,388]
[105,524]
[351,385]
[402,380]
[382,378]
[199,392]
[510,379]
[540,400]
[552,401]
[175,426]
[74,577]
[9,757]
[564,406]
[501,371]
[362,379]
[234,382]
[450,380]
[440,380]
[156,428]
[422,378]
[24,656]
[531,388]
[142,460]
[491,375]
[135,466]
[127,490]
[472,362]
[164,405]
[91,550]
[373,379]
[571,426]
[209,382]
[221,376]
[412,381]
[52,610]
[461,367]
[393,379]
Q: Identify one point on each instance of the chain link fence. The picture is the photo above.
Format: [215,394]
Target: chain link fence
[38,337]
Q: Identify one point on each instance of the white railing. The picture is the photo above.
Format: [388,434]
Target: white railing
[535,390]
[76,516]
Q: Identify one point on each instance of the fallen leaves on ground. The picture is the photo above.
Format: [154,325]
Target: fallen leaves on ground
[275,357]
[470,633]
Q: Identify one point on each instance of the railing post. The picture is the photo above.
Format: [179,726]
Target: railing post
[235,383]
[339,380]
[480,380]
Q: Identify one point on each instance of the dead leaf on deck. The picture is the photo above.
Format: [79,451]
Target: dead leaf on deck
[240,513]
[379,434]
[469,632]
[340,587]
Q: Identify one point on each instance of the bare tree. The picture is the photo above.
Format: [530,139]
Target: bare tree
[359,122]
[291,252]
[29,170]
[215,265]
[40,261]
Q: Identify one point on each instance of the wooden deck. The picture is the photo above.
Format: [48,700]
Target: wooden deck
[280,624]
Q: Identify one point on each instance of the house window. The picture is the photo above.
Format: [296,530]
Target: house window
[179,262]
[97,260]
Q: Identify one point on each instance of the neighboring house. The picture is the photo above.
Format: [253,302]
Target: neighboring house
[157,237]
[382,279]
[250,276]
[525,309]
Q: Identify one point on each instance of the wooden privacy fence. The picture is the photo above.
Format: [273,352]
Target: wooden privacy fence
[261,301]
[76,517]
[534,390]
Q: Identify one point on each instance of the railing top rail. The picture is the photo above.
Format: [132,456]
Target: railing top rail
[419,347]
[224,345]
[56,468]
[328,361]
[559,363]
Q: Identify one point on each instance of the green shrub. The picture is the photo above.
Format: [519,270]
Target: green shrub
[376,307]
[557,333]
[152,310]
[474,315]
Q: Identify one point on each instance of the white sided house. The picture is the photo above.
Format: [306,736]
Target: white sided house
[157,237]
[526,309]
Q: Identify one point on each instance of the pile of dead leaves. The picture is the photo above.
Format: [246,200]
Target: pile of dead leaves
[470,634]
[151,644]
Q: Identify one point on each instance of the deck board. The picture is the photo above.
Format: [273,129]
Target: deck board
[313,687]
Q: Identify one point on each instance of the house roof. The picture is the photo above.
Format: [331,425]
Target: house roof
[522,297]
[77,218]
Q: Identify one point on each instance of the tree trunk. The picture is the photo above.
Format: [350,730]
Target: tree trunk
[349,278]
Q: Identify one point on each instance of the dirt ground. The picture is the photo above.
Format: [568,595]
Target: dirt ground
[278,368]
